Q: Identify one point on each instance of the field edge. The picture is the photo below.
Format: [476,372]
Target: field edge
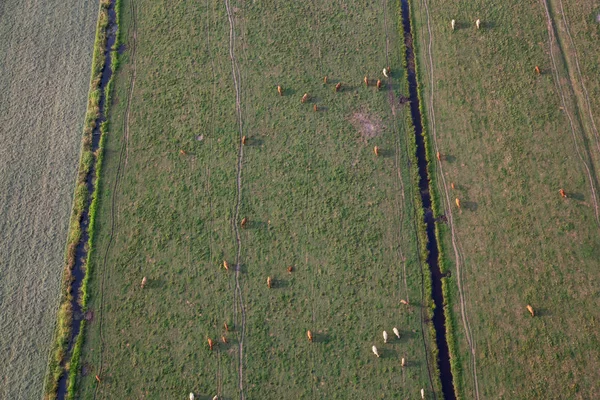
[59,346]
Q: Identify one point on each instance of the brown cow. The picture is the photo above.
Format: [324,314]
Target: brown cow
[98,378]
[376,151]
[224,339]
[309,335]
[537,70]
[269,282]
[290,269]
[378,84]
[210,344]
[226,326]
[563,193]
[530,309]
[452,185]
[457,202]
[404,302]
[338,86]
[244,139]
[182,152]
[366,80]
[144,281]
[304,98]
[226,265]
[244,222]
[439,156]
[315,108]
[325,79]
[280,90]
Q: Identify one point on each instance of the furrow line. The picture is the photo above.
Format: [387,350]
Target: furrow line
[236,81]
[556,76]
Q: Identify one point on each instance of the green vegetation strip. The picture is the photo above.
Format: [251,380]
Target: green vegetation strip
[421,226]
[440,228]
[60,343]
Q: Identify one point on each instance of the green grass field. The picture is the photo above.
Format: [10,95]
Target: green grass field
[315,196]
[45,56]
[508,146]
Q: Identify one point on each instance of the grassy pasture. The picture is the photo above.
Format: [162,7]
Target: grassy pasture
[45,54]
[315,195]
[508,148]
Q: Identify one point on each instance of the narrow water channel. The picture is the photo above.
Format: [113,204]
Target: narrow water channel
[439,321]
[78,272]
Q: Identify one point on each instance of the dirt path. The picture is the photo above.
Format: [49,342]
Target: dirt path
[581,81]
[574,119]
[236,218]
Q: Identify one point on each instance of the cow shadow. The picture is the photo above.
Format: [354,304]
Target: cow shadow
[321,337]
[469,205]
[449,158]
[577,196]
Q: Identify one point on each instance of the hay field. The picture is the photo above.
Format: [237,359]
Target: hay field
[510,139]
[315,196]
[45,56]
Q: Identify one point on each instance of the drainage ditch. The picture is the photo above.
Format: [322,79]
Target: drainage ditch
[439,322]
[81,251]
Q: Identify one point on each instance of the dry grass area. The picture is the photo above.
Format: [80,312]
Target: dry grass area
[509,140]
[45,57]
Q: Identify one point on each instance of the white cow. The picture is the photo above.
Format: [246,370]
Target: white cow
[385,337]
[478,24]
[375,351]
[453,23]
[396,332]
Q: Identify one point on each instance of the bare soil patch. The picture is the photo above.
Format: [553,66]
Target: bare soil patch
[367,124]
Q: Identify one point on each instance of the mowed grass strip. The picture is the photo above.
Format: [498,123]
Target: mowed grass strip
[315,195]
[507,147]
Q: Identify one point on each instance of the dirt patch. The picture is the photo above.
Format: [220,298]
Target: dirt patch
[368,125]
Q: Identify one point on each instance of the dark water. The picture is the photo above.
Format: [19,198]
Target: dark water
[439,322]
[81,250]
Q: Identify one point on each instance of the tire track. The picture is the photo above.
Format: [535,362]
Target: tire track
[581,80]
[556,76]
[219,372]
[459,259]
[315,278]
[239,296]
[113,210]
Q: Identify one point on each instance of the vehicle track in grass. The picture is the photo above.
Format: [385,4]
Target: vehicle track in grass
[581,80]
[211,17]
[113,209]
[239,300]
[553,41]
[458,257]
